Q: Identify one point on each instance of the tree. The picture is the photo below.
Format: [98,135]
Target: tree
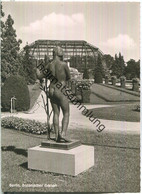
[2,25]
[121,64]
[118,66]
[109,61]
[99,70]
[28,69]
[10,63]
[138,68]
[132,69]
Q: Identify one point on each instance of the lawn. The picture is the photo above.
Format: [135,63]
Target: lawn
[112,95]
[125,112]
[116,169]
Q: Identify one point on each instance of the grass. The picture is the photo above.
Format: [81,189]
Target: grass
[127,90]
[116,169]
[123,112]
[112,95]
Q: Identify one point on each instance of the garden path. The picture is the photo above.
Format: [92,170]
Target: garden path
[77,119]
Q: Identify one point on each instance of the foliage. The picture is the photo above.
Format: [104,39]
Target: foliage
[26,125]
[84,84]
[133,69]
[122,78]
[135,80]
[15,86]
[2,24]
[118,66]
[28,67]
[85,74]
[109,61]
[113,77]
[75,62]
[107,76]
[98,77]
[10,63]
[99,71]
[82,62]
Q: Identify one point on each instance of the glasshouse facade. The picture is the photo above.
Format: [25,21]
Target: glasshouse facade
[77,53]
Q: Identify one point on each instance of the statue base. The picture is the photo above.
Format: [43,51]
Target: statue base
[60,145]
[71,161]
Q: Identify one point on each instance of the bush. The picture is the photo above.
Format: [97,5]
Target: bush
[15,86]
[122,78]
[113,77]
[106,79]
[135,80]
[26,125]
[85,74]
[98,77]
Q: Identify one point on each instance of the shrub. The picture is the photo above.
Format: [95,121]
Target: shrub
[107,76]
[85,74]
[98,77]
[135,80]
[26,125]
[17,87]
[113,77]
[122,81]
[122,78]
[106,79]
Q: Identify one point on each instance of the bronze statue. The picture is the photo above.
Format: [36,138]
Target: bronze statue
[60,71]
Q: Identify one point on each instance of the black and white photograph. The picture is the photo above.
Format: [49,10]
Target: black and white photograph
[70,96]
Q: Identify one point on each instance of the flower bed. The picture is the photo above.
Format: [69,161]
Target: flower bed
[26,125]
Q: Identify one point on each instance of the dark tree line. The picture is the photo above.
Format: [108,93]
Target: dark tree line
[119,67]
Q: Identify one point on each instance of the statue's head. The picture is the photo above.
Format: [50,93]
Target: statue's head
[58,51]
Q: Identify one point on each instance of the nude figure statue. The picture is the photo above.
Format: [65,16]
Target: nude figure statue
[60,71]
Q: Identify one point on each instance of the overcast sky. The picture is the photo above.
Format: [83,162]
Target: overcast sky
[112,27]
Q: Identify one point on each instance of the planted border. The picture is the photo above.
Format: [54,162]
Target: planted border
[26,125]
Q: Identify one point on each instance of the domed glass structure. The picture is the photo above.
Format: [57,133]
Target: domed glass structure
[78,53]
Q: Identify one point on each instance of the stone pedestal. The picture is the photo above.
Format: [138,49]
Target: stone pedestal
[69,162]
[61,145]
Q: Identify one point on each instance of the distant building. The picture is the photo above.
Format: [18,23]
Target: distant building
[77,53]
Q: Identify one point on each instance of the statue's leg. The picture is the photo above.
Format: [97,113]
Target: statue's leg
[48,125]
[65,121]
[56,112]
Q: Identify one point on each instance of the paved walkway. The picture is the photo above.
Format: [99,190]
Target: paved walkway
[77,119]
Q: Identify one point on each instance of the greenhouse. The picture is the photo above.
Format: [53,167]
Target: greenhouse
[77,53]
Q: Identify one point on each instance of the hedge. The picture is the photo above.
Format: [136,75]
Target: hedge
[15,86]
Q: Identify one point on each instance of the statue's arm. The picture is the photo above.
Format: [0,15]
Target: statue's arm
[42,72]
